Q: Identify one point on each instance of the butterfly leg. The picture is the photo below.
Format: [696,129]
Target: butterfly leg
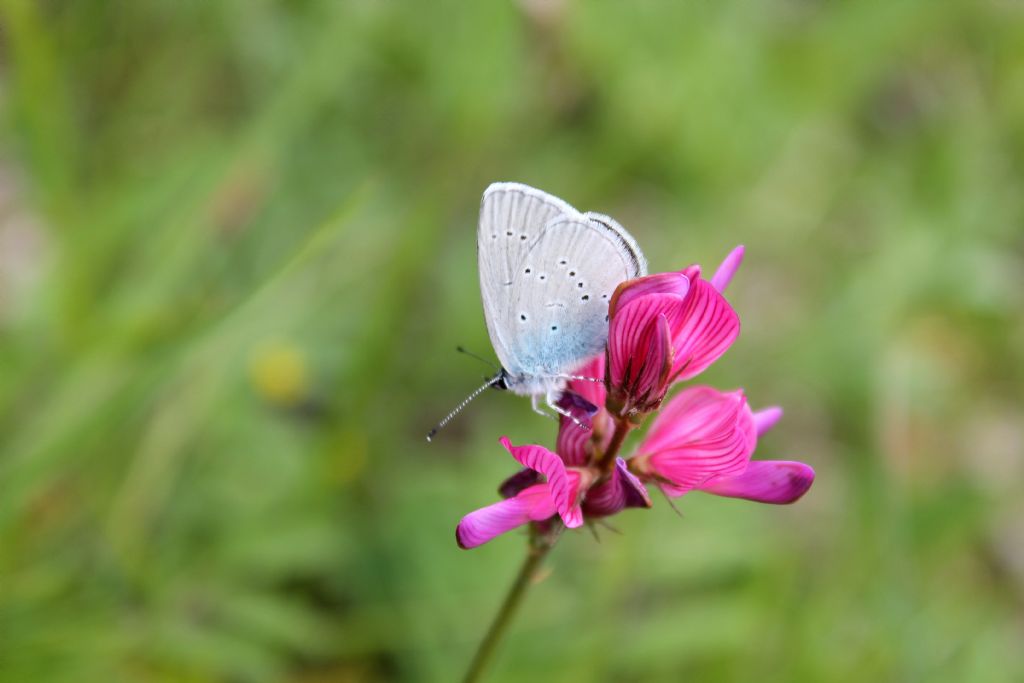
[552,402]
[596,380]
[535,403]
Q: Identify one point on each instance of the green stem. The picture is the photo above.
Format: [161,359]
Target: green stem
[540,545]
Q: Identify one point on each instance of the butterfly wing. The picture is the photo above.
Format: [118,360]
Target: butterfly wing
[560,294]
[512,218]
[618,233]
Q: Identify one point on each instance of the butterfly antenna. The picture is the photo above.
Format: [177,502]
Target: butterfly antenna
[462,349]
[458,409]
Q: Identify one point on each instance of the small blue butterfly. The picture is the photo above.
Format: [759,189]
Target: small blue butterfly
[547,273]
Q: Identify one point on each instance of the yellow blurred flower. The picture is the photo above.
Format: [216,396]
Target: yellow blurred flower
[279,374]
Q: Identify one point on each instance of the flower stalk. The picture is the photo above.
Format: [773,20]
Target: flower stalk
[540,545]
[543,537]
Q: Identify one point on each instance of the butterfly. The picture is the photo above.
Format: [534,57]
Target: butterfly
[547,274]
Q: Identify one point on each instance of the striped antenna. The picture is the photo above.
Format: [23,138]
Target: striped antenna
[448,418]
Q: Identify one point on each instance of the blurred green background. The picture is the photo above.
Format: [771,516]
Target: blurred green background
[237,250]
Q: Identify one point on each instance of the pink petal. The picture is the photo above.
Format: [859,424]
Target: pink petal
[655,362]
[660,283]
[571,444]
[699,434]
[706,328]
[723,276]
[766,418]
[640,353]
[766,481]
[695,414]
[480,526]
[563,485]
[630,334]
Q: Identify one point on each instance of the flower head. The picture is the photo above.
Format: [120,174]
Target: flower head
[666,328]
[558,495]
[640,353]
[663,329]
[703,440]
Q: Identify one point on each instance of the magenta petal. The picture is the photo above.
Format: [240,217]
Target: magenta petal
[766,418]
[661,283]
[704,331]
[766,481]
[694,415]
[572,440]
[723,276]
[564,486]
[640,354]
[633,342]
[622,490]
[480,526]
[651,378]
[700,434]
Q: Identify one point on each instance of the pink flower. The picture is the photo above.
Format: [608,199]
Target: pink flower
[666,328]
[663,329]
[640,351]
[703,440]
[558,495]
